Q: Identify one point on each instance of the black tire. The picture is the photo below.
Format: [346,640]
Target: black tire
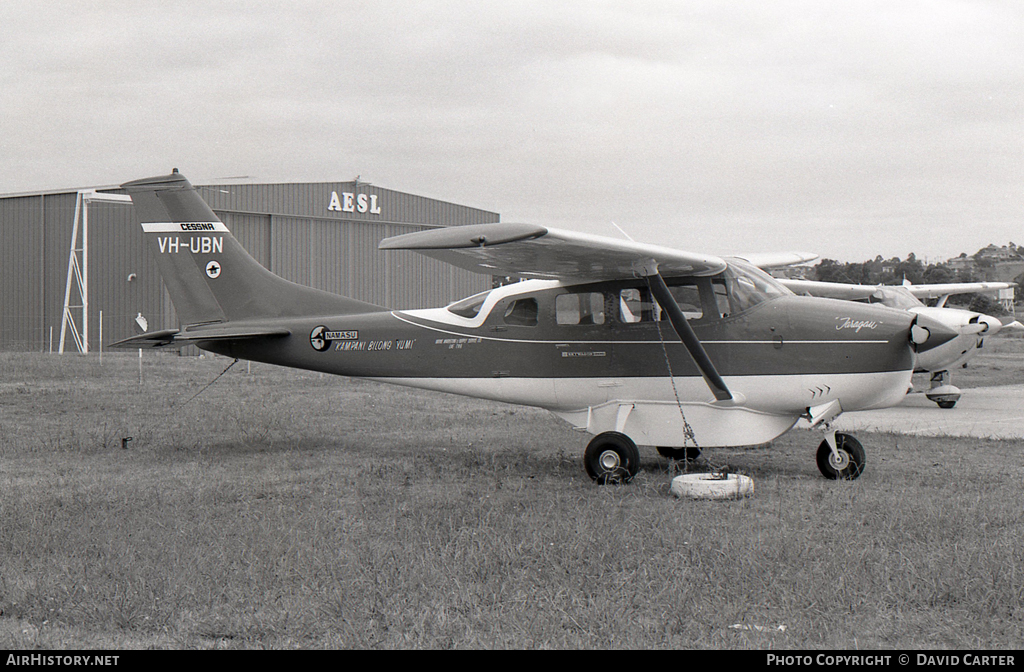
[852,458]
[946,404]
[611,457]
[689,453]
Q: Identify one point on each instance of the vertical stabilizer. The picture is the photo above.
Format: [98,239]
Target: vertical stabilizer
[209,275]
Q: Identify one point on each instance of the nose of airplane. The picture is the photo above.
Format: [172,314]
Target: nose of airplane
[927,333]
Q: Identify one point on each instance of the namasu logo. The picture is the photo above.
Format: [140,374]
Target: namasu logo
[320,338]
[317,340]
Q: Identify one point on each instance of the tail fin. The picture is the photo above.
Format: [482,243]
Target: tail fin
[209,275]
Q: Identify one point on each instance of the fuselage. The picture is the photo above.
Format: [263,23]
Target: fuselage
[575,348]
[636,344]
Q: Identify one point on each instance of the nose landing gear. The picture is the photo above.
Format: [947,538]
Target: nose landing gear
[840,456]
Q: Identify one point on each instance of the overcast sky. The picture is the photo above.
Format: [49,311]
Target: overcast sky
[848,129]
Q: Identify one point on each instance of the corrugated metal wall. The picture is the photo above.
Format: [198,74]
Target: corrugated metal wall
[286,227]
[22,272]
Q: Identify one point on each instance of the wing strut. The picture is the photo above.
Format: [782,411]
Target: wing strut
[689,339]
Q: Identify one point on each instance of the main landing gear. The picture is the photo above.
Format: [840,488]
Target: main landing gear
[611,457]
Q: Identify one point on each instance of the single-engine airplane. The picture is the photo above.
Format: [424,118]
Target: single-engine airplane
[636,344]
[971,327]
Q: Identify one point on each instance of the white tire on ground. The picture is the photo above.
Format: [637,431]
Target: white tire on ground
[709,486]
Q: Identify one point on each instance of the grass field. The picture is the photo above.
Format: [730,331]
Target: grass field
[287,509]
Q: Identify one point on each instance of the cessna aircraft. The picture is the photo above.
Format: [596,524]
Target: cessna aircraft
[590,334]
[972,327]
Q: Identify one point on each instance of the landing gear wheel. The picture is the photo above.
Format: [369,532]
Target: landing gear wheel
[689,453]
[611,457]
[851,458]
[946,395]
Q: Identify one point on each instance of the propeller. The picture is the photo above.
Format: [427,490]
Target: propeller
[927,333]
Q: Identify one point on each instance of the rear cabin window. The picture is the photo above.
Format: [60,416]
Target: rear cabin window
[582,308]
[522,313]
[470,306]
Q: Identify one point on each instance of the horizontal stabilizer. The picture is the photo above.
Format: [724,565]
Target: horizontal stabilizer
[156,339]
[175,338]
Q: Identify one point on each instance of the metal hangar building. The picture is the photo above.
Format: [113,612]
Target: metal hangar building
[73,262]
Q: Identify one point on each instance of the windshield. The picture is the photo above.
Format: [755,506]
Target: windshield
[747,286]
[895,297]
[470,306]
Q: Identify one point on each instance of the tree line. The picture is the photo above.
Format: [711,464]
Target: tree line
[894,271]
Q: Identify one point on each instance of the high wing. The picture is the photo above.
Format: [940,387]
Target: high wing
[948,289]
[769,260]
[852,292]
[829,290]
[175,338]
[531,251]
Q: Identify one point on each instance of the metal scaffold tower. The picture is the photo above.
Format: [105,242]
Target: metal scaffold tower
[78,268]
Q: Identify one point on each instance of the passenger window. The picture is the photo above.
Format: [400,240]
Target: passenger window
[522,312]
[583,308]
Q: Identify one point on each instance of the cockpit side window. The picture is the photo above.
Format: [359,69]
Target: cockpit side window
[688,299]
[522,312]
[722,297]
[637,305]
